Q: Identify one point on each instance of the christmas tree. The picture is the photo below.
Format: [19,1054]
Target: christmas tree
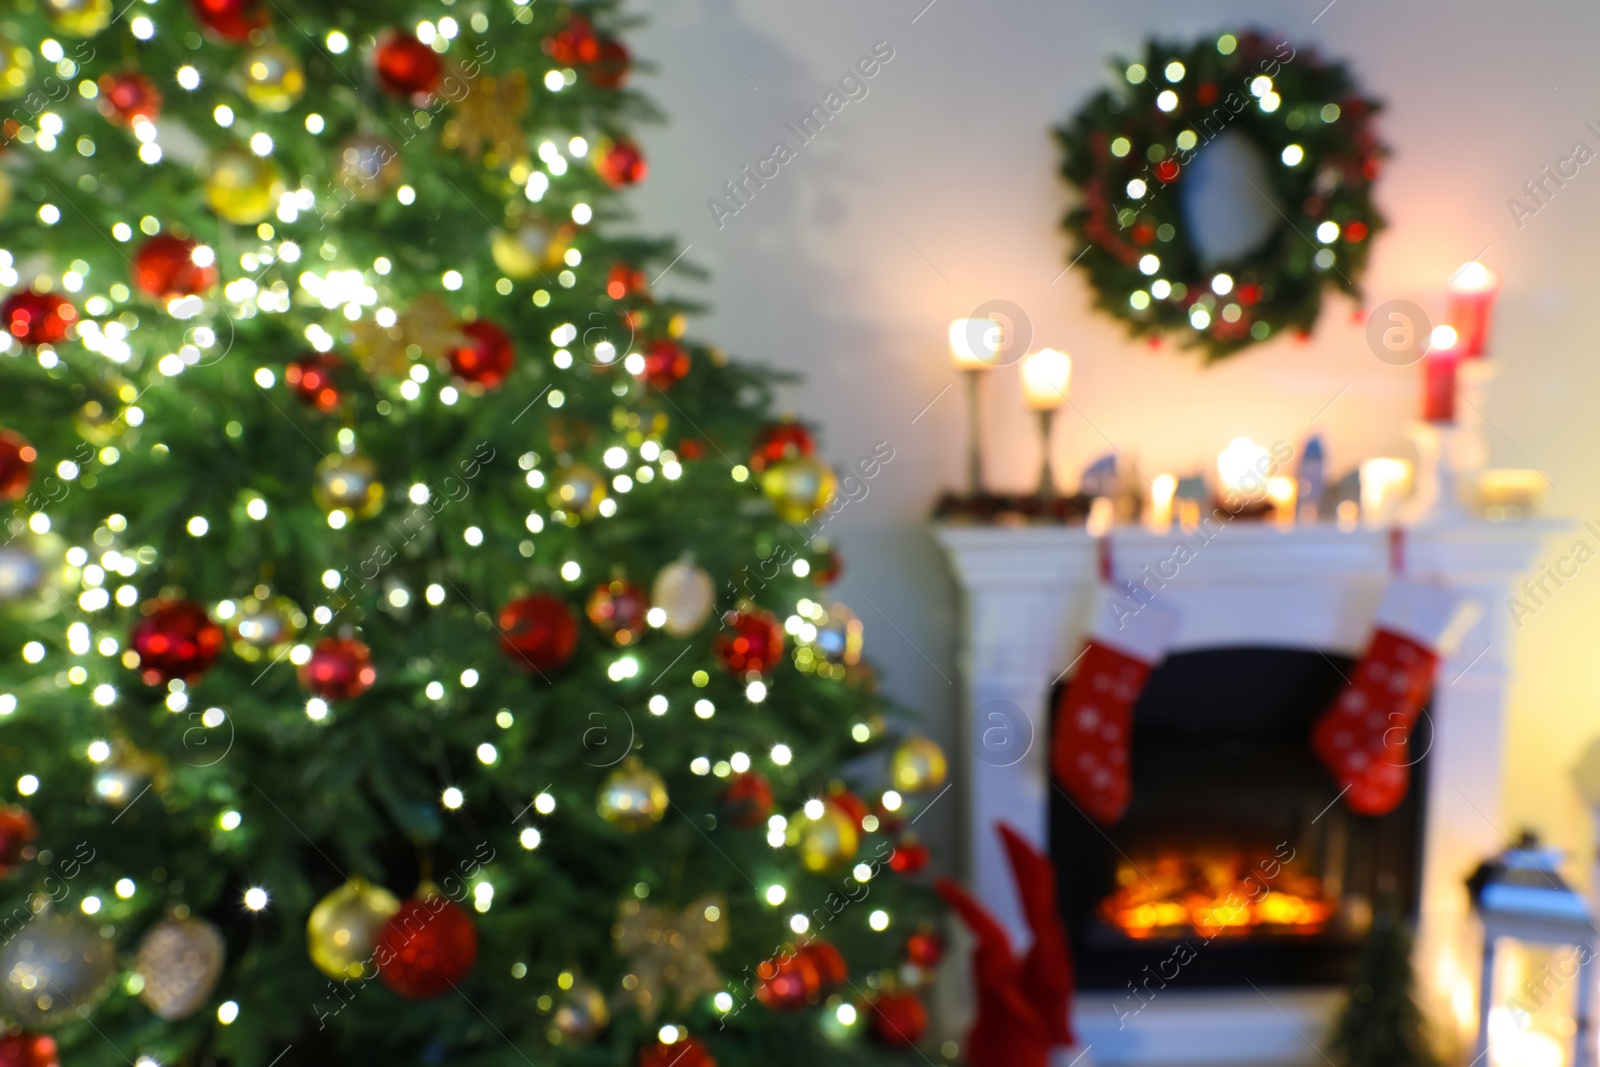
[1381,1025]
[416,648]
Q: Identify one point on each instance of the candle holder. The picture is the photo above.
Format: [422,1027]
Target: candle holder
[975,346]
[1045,377]
[1436,500]
[1047,474]
[974,434]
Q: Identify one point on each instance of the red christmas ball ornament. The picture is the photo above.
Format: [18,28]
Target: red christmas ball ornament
[787,982]
[776,441]
[750,641]
[828,962]
[850,804]
[1167,170]
[22,1049]
[36,318]
[167,266]
[625,281]
[175,639]
[618,610]
[538,632]
[426,947]
[16,464]
[665,361]
[748,799]
[1356,231]
[312,379]
[574,45]
[909,856]
[899,1019]
[691,449]
[405,66]
[621,163]
[340,668]
[17,829]
[487,356]
[128,97]
[686,1052]
[925,949]
[610,68]
[231,20]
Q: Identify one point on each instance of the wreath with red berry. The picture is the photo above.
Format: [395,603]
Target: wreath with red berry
[1129,149]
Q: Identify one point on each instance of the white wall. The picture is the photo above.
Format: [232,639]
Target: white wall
[938,191]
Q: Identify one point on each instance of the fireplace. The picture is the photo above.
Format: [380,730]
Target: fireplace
[1235,861]
[1268,613]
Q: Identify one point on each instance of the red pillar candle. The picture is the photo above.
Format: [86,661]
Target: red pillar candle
[1472,294]
[1439,385]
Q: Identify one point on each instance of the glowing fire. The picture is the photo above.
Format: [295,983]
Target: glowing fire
[1215,896]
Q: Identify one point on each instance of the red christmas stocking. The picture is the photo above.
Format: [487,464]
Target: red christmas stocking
[1095,713]
[1364,739]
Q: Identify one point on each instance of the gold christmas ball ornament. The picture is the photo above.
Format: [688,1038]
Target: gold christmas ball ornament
[16,69]
[343,929]
[580,1014]
[367,167]
[273,77]
[180,961]
[79,18]
[830,638]
[684,595]
[242,187]
[530,248]
[800,487]
[261,626]
[58,966]
[918,765]
[633,797]
[825,835]
[349,484]
[577,491]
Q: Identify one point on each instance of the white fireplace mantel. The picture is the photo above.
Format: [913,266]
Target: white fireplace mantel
[1027,592]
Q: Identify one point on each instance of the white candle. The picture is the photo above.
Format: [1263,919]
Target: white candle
[1162,489]
[1385,482]
[1045,376]
[975,343]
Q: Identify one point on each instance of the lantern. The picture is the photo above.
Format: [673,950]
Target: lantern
[1536,997]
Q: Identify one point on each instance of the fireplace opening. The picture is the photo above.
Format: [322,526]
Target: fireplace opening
[1235,861]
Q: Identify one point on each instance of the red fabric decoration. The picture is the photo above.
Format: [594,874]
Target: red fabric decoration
[128,97]
[340,668]
[426,947]
[231,20]
[1095,714]
[312,379]
[22,1049]
[1022,1006]
[899,1019]
[750,641]
[175,639]
[621,163]
[688,1052]
[748,799]
[1364,738]
[538,632]
[665,361]
[164,267]
[405,66]
[38,318]
[16,464]
[487,356]
[17,829]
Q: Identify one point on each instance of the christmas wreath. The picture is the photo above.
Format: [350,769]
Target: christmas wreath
[1129,149]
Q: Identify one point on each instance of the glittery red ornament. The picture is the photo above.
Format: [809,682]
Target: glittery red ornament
[405,66]
[538,632]
[128,97]
[748,799]
[340,668]
[749,641]
[487,356]
[776,441]
[36,318]
[621,163]
[899,1019]
[231,20]
[175,639]
[16,464]
[426,947]
[925,949]
[312,379]
[165,267]
[17,829]
[575,44]
[625,281]
[909,856]
[787,982]
[687,1052]
[618,610]
[610,68]
[665,361]
[22,1049]
[828,962]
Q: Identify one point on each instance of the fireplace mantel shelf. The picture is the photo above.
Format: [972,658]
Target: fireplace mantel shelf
[1026,594]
